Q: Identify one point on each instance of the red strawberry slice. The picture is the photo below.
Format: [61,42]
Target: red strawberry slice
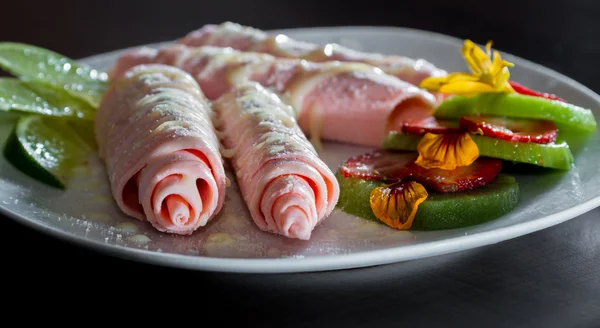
[476,175]
[391,167]
[420,127]
[378,165]
[519,88]
[511,129]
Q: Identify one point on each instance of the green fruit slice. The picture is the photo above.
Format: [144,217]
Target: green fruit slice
[554,155]
[566,116]
[31,63]
[46,149]
[85,131]
[38,98]
[440,210]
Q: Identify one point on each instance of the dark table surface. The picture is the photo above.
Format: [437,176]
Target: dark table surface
[545,279]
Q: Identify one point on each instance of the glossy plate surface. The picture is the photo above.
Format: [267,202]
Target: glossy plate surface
[85,213]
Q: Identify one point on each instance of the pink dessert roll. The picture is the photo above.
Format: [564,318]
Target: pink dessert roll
[246,38]
[155,134]
[288,189]
[339,101]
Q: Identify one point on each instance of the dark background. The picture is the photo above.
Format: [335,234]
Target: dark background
[546,279]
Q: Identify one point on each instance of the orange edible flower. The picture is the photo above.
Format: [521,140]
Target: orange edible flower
[396,204]
[446,151]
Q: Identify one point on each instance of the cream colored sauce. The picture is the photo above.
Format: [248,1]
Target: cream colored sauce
[220,134]
[369,226]
[311,78]
[316,126]
[257,105]
[245,72]
[227,30]
[218,61]
[280,44]
[235,222]
[219,238]
[127,227]
[228,152]
[165,127]
[140,238]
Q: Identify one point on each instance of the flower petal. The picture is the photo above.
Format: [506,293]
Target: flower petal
[436,83]
[466,88]
[488,48]
[396,204]
[458,77]
[471,63]
[499,64]
[446,151]
[433,83]
[500,81]
[477,60]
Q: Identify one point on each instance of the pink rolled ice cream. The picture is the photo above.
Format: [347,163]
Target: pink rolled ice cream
[288,189]
[156,137]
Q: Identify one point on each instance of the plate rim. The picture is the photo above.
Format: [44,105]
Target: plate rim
[336,261]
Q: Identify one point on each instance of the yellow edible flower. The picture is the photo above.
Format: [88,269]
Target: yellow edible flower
[396,204]
[487,74]
[446,151]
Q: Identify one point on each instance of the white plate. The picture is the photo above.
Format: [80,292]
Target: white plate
[86,215]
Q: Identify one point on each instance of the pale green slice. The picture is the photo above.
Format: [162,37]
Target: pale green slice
[38,98]
[568,117]
[86,131]
[32,63]
[46,148]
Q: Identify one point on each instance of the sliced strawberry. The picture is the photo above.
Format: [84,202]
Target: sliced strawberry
[378,165]
[394,166]
[420,127]
[511,129]
[476,175]
[519,88]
